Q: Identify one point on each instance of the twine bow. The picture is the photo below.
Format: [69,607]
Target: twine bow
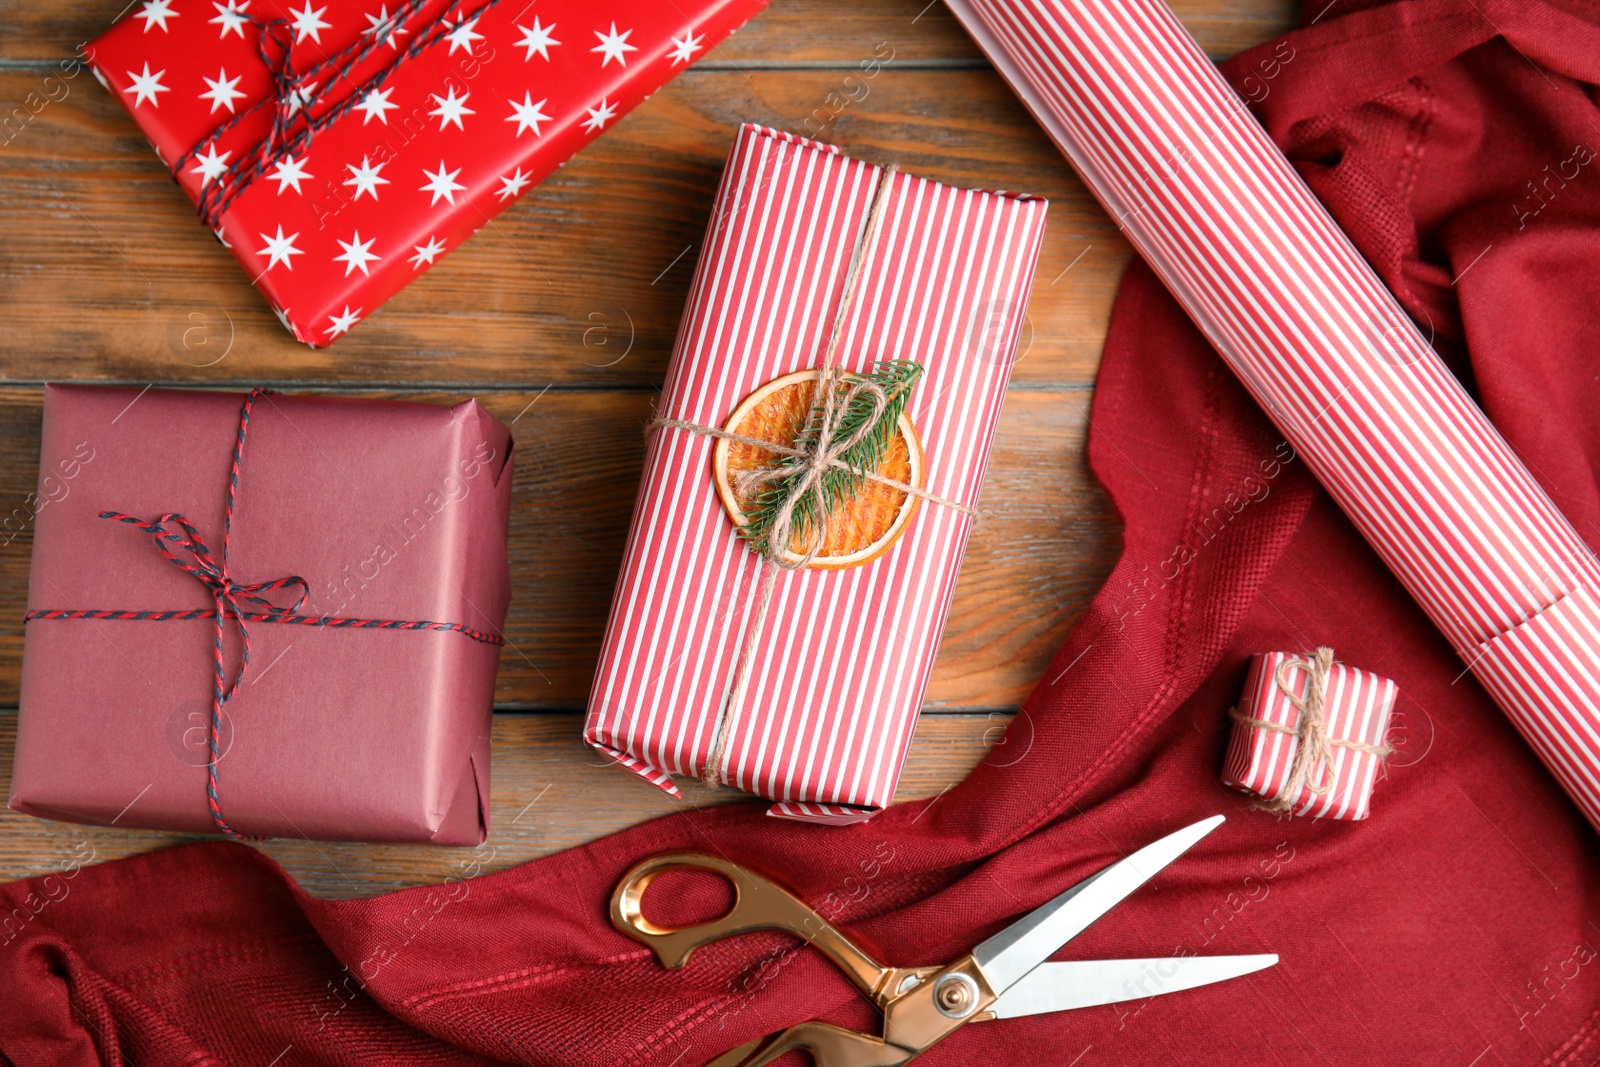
[228,597]
[210,571]
[293,91]
[821,453]
[1314,748]
[825,453]
[294,96]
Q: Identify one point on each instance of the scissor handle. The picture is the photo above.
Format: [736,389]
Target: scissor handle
[829,1046]
[757,905]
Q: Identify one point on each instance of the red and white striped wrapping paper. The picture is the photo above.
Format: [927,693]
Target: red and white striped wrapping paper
[1355,706]
[1288,301]
[839,668]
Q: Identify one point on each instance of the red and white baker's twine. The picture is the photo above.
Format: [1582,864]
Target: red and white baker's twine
[229,598]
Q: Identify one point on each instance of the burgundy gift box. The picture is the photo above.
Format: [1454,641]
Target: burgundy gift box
[365,547]
[340,148]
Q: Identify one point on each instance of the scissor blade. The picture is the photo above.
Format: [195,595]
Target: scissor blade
[1032,939]
[1088,983]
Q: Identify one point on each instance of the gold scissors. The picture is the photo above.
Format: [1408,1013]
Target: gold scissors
[1004,977]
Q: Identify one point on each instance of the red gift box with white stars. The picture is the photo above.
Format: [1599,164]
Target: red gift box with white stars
[340,147]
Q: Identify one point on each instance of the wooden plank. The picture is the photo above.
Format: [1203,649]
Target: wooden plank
[1036,558]
[795,32]
[550,792]
[106,274]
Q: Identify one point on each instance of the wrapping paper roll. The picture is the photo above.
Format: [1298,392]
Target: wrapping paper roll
[1288,301]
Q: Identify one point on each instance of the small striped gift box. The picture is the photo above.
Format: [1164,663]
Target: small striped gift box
[1282,710]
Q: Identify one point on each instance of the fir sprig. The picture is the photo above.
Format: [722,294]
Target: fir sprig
[839,485]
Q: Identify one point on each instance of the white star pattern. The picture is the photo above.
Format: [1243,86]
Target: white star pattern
[683,51]
[299,98]
[145,87]
[287,172]
[221,237]
[462,36]
[283,313]
[210,166]
[427,253]
[365,178]
[527,115]
[279,249]
[308,23]
[513,185]
[442,184]
[222,92]
[231,17]
[342,322]
[451,108]
[356,255]
[156,13]
[385,26]
[599,116]
[377,106]
[615,45]
[537,39]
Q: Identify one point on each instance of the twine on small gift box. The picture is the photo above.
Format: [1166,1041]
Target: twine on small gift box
[823,451]
[1314,747]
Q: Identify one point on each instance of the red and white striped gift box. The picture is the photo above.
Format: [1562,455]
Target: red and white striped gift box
[1288,301]
[1355,707]
[837,671]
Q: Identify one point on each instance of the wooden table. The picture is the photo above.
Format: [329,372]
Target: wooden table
[560,317]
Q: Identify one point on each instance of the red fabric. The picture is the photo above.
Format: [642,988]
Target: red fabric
[1455,926]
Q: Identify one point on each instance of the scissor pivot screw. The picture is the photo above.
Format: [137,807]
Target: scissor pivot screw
[955,995]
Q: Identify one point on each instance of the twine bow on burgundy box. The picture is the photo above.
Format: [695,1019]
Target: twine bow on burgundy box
[340,150]
[404,729]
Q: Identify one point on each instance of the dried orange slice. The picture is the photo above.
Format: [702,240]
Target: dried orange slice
[858,530]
